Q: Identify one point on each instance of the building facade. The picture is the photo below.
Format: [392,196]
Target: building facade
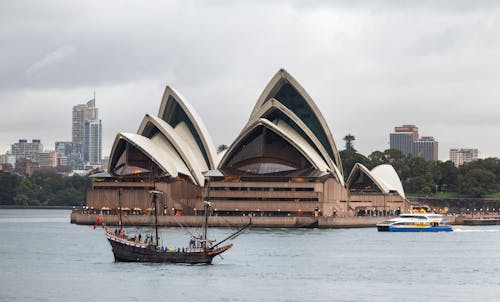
[73,152]
[86,131]
[406,139]
[403,137]
[25,149]
[427,148]
[46,159]
[25,166]
[459,156]
[92,147]
[80,114]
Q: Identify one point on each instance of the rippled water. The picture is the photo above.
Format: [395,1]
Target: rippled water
[45,258]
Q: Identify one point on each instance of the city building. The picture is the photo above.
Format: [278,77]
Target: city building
[25,166]
[25,149]
[403,137]
[284,162]
[46,159]
[426,147]
[73,152]
[462,155]
[92,147]
[87,132]
[62,160]
[80,114]
[8,159]
[406,139]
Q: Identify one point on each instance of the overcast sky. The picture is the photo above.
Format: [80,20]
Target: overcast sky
[368,65]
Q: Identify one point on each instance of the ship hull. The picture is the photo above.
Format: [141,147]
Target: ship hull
[129,251]
[442,228]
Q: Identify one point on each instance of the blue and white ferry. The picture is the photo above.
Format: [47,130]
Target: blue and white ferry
[415,222]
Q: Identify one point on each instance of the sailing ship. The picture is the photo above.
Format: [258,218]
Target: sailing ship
[200,250]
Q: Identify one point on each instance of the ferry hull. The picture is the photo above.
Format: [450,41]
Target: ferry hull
[442,228]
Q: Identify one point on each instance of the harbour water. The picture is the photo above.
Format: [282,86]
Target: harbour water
[45,258]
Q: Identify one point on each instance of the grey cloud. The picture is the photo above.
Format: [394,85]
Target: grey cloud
[369,65]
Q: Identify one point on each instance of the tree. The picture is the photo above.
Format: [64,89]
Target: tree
[350,156]
[8,185]
[348,142]
[478,182]
[445,175]
[376,158]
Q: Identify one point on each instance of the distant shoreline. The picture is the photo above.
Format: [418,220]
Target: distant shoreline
[19,207]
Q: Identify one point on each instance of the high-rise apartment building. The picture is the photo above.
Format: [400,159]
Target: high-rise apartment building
[24,149]
[93,142]
[406,139]
[87,132]
[403,137]
[426,147]
[81,113]
[462,155]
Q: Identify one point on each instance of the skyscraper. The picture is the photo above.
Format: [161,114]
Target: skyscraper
[426,147]
[403,137]
[87,132]
[81,113]
[461,156]
[93,141]
[406,139]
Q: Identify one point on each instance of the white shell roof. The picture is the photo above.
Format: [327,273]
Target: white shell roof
[156,150]
[381,185]
[384,176]
[274,104]
[183,144]
[389,177]
[272,87]
[201,129]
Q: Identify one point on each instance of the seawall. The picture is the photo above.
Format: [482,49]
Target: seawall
[233,221]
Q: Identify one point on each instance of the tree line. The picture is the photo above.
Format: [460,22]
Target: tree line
[475,179]
[45,188]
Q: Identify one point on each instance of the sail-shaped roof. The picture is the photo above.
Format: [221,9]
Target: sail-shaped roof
[362,180]
[176,110]
[158,150]
[383,178]
[183,145]
[389,177]
[273,110]
[284,88]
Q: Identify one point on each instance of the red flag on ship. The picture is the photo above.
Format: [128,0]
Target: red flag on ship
[99,219]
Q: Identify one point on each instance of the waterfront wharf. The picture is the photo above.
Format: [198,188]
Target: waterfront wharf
[238,221]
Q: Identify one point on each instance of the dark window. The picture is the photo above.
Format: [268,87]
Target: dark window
[263,152]
[292,99]
[132,162]
[178,115]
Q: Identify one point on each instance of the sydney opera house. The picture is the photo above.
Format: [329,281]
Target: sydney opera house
[284,162]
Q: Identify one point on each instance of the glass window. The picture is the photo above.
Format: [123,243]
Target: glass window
[133,162]
[177,115]
[291,98]
[264,152]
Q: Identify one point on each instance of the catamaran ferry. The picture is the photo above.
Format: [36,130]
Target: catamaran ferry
[415,222]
